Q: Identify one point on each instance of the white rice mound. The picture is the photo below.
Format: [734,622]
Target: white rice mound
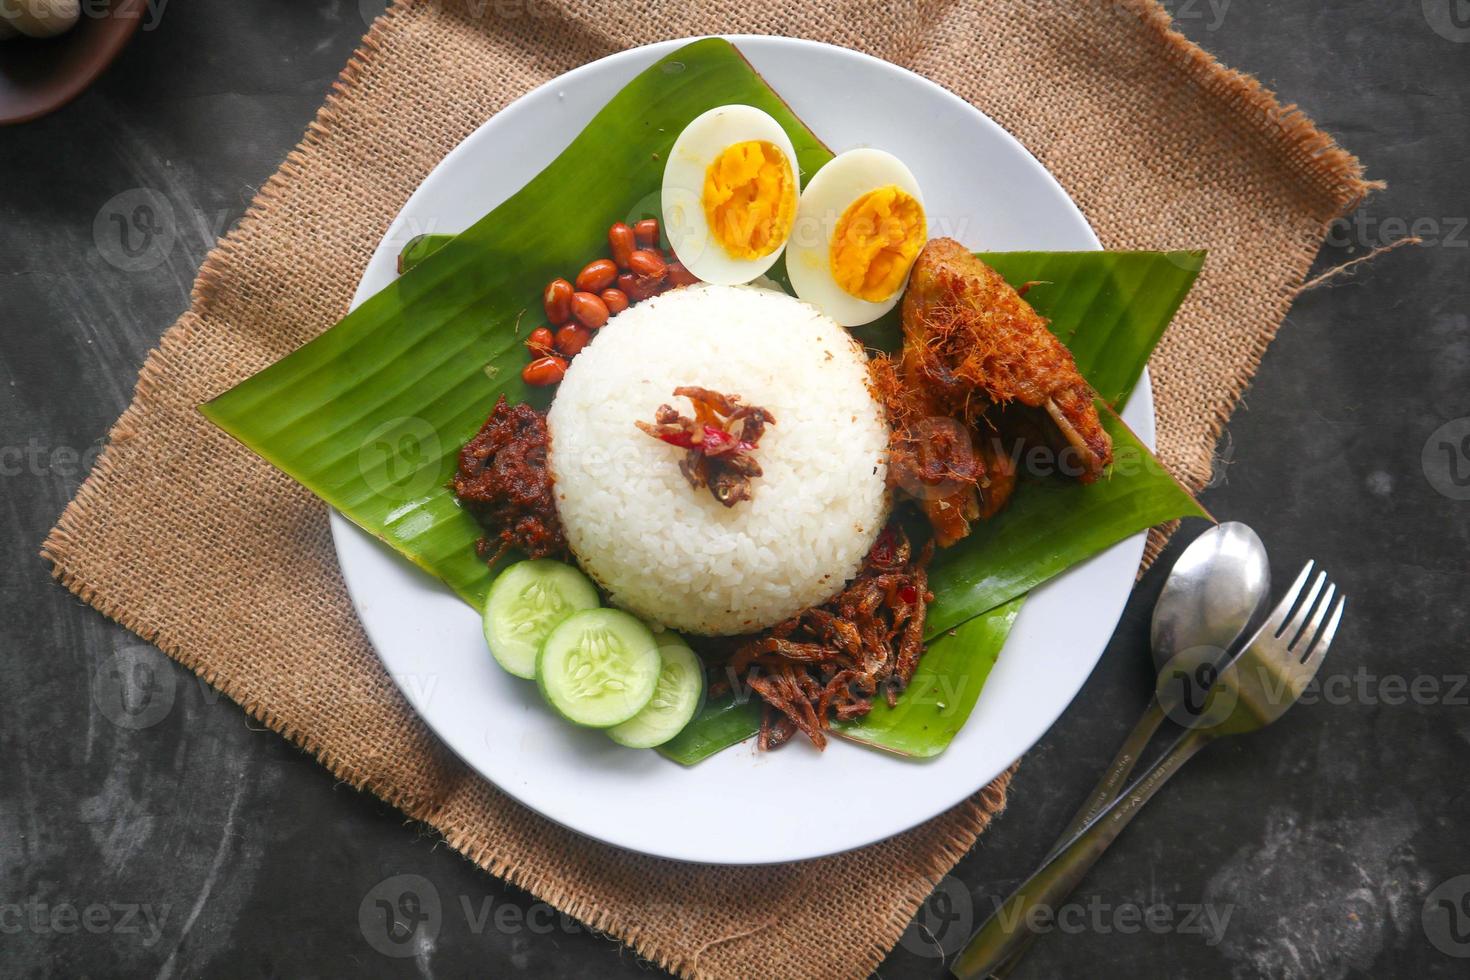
[674,556]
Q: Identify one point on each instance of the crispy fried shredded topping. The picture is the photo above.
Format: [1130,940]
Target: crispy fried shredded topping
[832,660]
[504,480]
[719,442]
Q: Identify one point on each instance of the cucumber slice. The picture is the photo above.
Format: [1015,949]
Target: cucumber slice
[677,698]
[598,668]
[527,601]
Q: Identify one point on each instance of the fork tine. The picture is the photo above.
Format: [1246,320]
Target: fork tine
[1319,649]
[1302,611]
[1273,624]
[1312,662]
[1302,641]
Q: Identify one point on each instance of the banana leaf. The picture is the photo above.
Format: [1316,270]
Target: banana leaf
[420,247]
[1052,524]
[1110,312]
[369,415]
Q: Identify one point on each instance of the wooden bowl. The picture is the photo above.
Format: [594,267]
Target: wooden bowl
[40,75]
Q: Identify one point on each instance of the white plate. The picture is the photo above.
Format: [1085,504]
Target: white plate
[742,807]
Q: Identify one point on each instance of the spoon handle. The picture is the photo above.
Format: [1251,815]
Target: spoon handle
[1013,925]
[1114,778]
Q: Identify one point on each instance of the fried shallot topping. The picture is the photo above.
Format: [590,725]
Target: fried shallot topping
[718,443]
[831,660]
[504,480]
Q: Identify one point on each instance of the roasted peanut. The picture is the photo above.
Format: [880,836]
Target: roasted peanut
[558,301]
[540,342]
[646,232]
[616,300]
[635,288]
[544,371]
[589,310]
[621,241]
[680,276]
[597,276]
[571,338]
[646,264]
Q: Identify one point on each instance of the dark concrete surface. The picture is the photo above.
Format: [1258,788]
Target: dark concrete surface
[182,840]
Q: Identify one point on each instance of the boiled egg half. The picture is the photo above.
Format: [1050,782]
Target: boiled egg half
[859,226]
[729,194]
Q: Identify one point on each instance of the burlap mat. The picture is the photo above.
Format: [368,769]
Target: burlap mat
[226,564]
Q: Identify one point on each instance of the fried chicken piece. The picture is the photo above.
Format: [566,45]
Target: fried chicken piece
[1000,477]
[931,456]
[972,341]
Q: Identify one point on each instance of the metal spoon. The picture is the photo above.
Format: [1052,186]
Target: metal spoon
[1252,690]
[1215,590]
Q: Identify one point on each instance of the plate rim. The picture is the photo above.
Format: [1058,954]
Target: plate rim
[1141,401]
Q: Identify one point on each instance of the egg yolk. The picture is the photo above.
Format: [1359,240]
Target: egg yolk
[750,199]
[875,243]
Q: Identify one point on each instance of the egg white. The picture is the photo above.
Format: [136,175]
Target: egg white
[688,231]
[845,178]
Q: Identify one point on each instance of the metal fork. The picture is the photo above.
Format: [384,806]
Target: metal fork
[1254,690]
